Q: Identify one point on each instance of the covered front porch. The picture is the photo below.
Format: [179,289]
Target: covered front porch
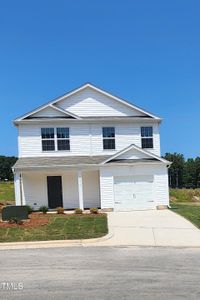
[67,187]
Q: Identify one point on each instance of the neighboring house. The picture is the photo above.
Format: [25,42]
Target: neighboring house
[87,149]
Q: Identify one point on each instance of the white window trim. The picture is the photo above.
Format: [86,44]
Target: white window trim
[55,140]
[62,139]
[146,137]
[108,138]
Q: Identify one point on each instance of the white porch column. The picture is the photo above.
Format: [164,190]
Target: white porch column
[18,193]
[80,190]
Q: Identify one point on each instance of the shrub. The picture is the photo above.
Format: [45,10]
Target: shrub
[44,209]
[78,211]
[60,210]
[29,208]
[94,210]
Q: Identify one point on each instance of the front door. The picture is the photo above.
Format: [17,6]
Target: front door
[54,189]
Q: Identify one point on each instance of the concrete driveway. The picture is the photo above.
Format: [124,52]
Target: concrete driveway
[151,228]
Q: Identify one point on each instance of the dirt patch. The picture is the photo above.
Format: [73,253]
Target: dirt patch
[35,220]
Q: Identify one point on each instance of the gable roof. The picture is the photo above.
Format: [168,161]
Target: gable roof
[55,101]
[133,146]
[58,109]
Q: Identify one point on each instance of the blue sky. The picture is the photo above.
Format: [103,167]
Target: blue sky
[147,52]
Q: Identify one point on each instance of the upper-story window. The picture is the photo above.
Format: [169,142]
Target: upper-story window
[147,137]
[108,137]
[48,142]
[52,142]
[63,142]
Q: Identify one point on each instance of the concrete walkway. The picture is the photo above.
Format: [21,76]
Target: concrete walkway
[151,228]
[137,228]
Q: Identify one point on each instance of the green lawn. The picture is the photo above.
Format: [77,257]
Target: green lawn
[60,227]
[7,192]
[189,211]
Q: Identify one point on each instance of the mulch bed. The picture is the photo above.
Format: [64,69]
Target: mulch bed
[37,219]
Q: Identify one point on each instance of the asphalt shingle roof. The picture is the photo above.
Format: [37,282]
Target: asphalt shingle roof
[36,162]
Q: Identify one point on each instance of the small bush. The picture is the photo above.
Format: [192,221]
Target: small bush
[44,209]
[29,208]
[78,211]
[60,210]
[94,210]
[16,220]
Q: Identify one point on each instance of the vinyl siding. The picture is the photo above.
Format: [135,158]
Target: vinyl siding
[48,112]
[162,187]
[91,192]
[35,189]
[91,103]
[85,139]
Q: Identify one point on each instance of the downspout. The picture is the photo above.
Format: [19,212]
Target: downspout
[20,188]
[168,166]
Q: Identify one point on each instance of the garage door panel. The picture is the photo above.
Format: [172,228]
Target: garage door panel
[133,193]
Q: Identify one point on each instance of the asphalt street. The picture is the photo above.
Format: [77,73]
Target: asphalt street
[100,273]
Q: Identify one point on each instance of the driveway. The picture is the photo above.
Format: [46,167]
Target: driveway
[136,228]
[151,228]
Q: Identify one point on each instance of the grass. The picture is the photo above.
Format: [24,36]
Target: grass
[186,202]
[184,195]
[189,211]
[7,192]
[60,227]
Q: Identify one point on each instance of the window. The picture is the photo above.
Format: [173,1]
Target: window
[63,139]
[108,138]
[48,143]
[58,141]
[147,137]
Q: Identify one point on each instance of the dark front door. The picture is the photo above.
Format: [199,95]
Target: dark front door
[54,188]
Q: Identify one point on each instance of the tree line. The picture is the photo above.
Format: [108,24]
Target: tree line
[6,163]
[183,173]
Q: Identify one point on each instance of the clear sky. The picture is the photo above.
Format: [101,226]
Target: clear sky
[147,52]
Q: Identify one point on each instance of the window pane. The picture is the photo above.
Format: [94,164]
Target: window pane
[63,145]
[109,144]
[48,145]
[146,131]
[62,133]
[147,143]
[108,131]
[47,133]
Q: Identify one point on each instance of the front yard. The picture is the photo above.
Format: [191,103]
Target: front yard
[7,192]
[56,227]
[186,203]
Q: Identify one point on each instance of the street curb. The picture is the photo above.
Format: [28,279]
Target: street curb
[53,244]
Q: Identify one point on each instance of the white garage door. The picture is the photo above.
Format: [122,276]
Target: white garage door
[133,193]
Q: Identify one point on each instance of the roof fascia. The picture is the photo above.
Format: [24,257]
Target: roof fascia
[132,146]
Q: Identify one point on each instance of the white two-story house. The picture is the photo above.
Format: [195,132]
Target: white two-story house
[87,149]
